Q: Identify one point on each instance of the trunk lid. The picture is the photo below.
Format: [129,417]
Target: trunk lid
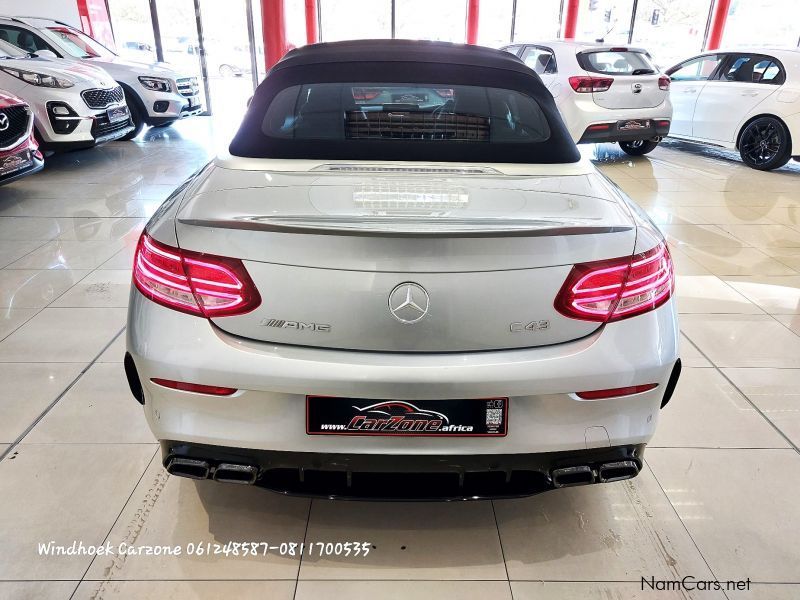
[349,259]
[633,87]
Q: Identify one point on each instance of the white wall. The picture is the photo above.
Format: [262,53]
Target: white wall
[61,10]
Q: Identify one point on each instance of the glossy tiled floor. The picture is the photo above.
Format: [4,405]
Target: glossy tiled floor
[717,499]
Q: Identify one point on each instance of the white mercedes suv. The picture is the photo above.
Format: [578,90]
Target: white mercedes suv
[157,95]
[605,93]
[402,283]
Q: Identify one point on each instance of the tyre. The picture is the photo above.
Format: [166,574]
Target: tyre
[638,147]
[765,144]
[137,117]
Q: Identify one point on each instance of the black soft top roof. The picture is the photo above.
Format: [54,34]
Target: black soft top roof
[402,61]
[360,51]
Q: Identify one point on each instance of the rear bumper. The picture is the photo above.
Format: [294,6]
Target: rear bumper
[269,410]
[407,477]
[594,133]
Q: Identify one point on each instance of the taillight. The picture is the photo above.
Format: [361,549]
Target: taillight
[192,282]
[616,392]
[610,290]
[587,85]
[663,83]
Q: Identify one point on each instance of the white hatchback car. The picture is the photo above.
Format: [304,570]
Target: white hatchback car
[604,93]
[157,95]
[745,100]
[402,288]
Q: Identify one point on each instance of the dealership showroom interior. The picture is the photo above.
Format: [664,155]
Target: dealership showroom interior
[436,299]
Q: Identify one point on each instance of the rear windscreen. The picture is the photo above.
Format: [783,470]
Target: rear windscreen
[409,112]
[617,62]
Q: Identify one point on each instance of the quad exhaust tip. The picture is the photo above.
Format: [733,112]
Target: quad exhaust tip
[231,473]
[570,476]
[617,471]
[188,467]
[605,473]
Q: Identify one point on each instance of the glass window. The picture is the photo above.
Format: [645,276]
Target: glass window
[604,20]
[537,20]
[753,69]
[539,59]
[10,50]
[355,19]
[133,29]
[77,43]
[617,62]
[409,112]
[494,26]
[443,20]
[697,69]
[22,38]
[762,22]
[671,30]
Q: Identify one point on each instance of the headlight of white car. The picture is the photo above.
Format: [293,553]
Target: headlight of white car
[156,84]
[39,79]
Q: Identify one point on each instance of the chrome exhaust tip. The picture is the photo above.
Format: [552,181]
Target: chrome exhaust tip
[231,473]
[188,467]
[571,476]
[617,471]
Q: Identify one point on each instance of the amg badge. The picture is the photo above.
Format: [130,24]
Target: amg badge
[540,325]
[298,325]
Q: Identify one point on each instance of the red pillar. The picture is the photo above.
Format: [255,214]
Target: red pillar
[571,19]
[312,33]
[718,24]
[274,29]
[95,21]
[472,21]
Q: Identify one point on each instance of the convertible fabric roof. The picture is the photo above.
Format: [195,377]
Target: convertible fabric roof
[402,61]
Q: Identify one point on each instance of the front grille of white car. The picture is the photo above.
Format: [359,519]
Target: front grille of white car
[188,86]
[99,98]
[16,122]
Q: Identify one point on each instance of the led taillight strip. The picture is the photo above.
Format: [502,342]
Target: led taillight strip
[191,282]
[618,288]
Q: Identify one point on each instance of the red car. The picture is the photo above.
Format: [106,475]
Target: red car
[19,152]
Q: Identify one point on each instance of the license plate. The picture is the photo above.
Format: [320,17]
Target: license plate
[432,418]
[116,115]
[15,162]
[635,124]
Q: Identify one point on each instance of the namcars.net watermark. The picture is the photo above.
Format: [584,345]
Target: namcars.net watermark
[690,584]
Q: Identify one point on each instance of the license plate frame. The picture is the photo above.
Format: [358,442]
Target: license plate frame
[345,416]
[118,114]
[634,124]
[15,162]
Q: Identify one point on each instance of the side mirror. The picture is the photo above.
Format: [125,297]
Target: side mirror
[46,54]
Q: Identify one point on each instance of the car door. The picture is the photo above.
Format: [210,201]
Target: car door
[542,60]
[740,85]
[687,80]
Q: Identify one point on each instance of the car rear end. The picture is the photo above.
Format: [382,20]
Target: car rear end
[616,94]
[19,152]
[401,329]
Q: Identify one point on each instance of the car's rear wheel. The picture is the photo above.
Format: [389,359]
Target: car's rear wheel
[765,144]
[638,147]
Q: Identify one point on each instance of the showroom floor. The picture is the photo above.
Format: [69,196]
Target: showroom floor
[717,499]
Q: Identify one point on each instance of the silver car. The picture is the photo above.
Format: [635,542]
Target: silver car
[403,282]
